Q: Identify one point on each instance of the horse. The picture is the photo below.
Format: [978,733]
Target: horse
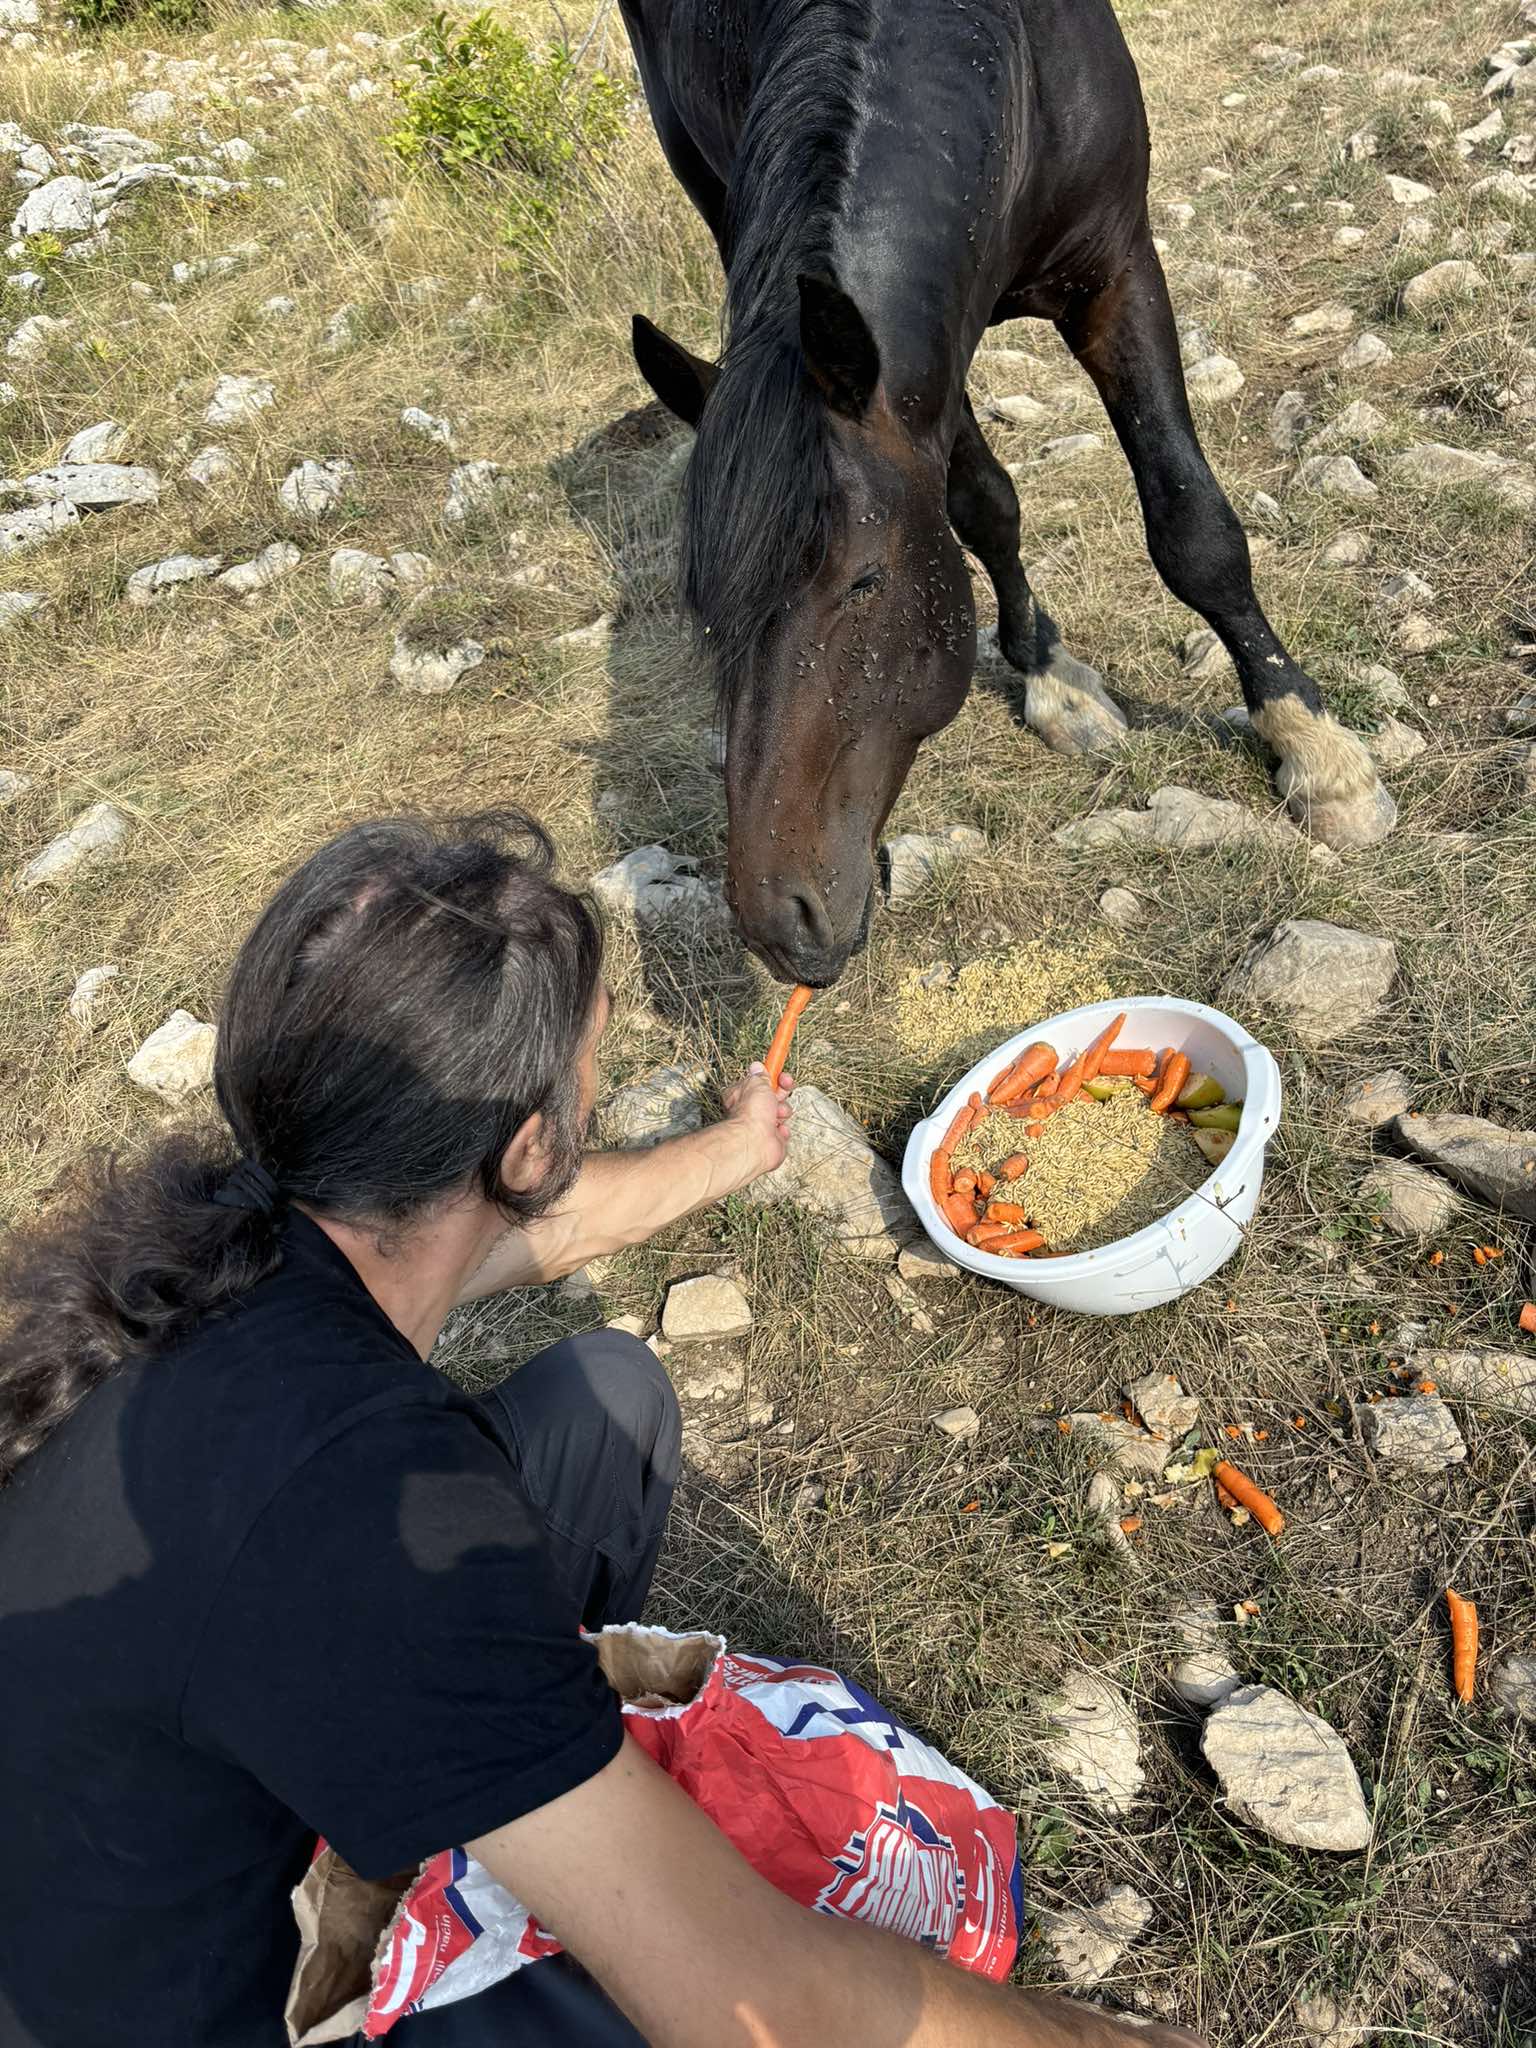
[884,180]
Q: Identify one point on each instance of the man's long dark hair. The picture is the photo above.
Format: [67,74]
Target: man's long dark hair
[405,1002]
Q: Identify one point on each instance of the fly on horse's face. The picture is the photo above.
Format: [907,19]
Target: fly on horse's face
[840,652]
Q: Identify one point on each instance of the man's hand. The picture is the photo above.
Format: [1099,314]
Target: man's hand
[758,1114]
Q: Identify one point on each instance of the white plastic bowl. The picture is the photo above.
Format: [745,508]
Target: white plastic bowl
[1184,1247]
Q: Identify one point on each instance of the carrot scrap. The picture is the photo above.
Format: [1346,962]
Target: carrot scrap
[970,1507]
[1130,1525]
[1093,1058]
[1225,1499]
[1231,1429]
[1493,1251]
[1175,1074]
[1528,1318]
[1298,1422]
[1428,1387]
[1121,1062]
[1479,1256]
[1253,1498]
[1437,1258]
[1064,1426]
[779,1044]
[1463,1644]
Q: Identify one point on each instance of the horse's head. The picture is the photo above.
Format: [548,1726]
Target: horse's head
[818,560]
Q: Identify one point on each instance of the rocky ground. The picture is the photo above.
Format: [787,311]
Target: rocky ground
[313,505]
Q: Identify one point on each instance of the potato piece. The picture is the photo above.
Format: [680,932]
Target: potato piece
[1215,1144]
[1200,1091]
[1225,1117]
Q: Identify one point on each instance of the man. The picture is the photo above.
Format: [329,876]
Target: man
[265,1574]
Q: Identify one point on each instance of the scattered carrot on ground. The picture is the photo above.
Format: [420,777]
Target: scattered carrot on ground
[1463,1644]
[1528,1318]
[1253,1498]
[1130,1525]
[779,1044]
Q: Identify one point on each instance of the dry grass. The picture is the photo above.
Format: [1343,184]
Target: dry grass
[239,736]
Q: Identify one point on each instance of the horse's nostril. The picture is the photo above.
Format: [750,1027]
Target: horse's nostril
[807,918]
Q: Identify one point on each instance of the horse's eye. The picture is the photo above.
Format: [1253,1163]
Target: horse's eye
[871,581]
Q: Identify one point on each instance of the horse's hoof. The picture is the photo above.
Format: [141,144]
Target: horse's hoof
[1346,823]
[1069,708]
[1327,777]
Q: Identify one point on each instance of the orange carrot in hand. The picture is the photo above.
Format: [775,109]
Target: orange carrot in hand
[1249,1496]
[1463,1645]
[778,1048]
[1093,1058]
[1175,1074]
[1119,1063]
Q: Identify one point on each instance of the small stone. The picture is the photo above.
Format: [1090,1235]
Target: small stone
[357,577]
[1215,379]
[428,425]
[1418,635]
[1348,238]
[1127,1451]
[1495,1164]
[1379,1099]
[1285,1771]
[16,606]
[1206,1674]
[30,527]
[104,442]
[963,1424]
[1331,318]
[1436,464]
[1408,191]
[1335,476]
[1018,411]
[476,489]
[665,1104]
[1489,129]
[152,582]
[237,399]
[1210,176]
[34,337]
[86,995]
[209,467]
[1121,907]
[1360,421]
[341,330]
[924,1262]
[1365,352]
[1513,1685]
[13,786]
[428,667]
[315,488]
[709,1310]
[652,883]
[1263,506]
[1163,1405]
[1523,765]
[1097,1741]
[1071,447]
[93,486]
[279,307]
[1415,232]
[1384,685]
[1326,2024]
[152,109]
[1289,421]
[246,579]
[833,1171]
[1203,656]
[1402,590]
[1414,1430]
[63,206]
[176,1060]
[1325,979]
[95,837]
[1520,717]
[1442,284]
[1408,1200]
[631,1326]
[1088,1941]
[1176,819]
[1348,550]
[914,858]
[597,639]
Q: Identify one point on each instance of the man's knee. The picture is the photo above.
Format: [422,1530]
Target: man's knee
[608,1379]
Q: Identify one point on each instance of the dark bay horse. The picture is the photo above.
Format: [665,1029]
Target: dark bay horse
[884,179]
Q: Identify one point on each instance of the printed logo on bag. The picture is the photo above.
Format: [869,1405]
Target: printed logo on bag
[899,1873]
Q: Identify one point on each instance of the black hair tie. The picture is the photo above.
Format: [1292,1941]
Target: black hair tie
[251,1187]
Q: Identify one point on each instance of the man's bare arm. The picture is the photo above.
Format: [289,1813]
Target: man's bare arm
[622,1198]
[701,1952]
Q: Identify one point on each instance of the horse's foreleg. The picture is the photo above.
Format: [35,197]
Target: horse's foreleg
[1065,701]
[1125,338]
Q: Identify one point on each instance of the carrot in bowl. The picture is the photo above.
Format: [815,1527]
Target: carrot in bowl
[1175,1074]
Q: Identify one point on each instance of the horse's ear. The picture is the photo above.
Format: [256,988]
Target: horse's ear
[681,381]
[839,349]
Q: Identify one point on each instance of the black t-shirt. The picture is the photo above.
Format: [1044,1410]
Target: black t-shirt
[280,1580]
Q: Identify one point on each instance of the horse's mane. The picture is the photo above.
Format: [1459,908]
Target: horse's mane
[756,503]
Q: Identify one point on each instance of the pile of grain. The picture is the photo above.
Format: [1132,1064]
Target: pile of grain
[1097,1172]
[993,997]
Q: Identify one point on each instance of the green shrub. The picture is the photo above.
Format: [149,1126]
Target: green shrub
[482,99]
[100,14]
